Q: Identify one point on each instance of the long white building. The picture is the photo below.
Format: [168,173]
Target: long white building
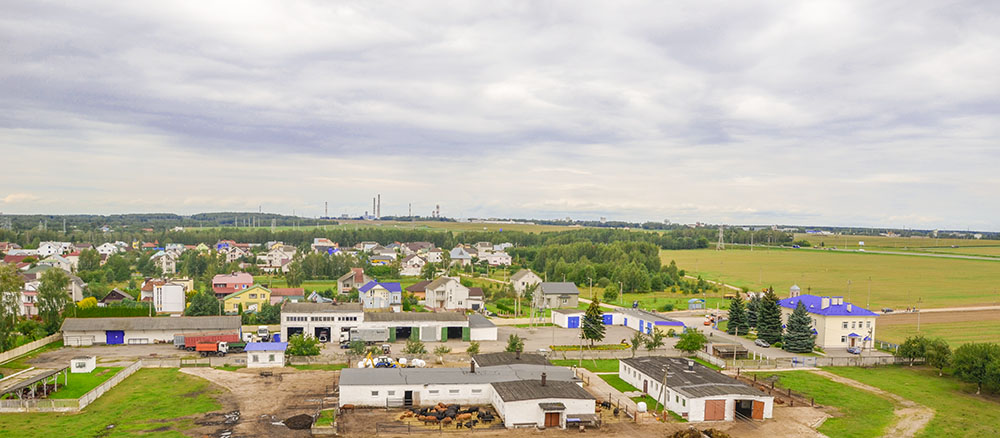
[333,322]
[142,330]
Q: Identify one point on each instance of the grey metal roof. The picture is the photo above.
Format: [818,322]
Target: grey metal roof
[520,274]
[153,323]
[518,390]
[446,376]
[558,288]
[420,286]
[415,316]
[568,311]
[699,382]
[438,282]
[321,308]
[504,358]
[644,315]
[479,321]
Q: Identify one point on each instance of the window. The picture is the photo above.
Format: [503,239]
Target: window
[477,391]
[677,399]
[843,339]
[253,295]
[433,392]
[845,324]
[869,324]
[270,358]
[374,393]
[452,391]
[255,359]
[852,324]
[684,402]
[392,393]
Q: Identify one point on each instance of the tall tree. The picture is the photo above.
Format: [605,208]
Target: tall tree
[691,341]
[90,260]
[11,284]
[654,340]
[635,342]
[938,354]
[977,363]
[752,310]
[913,348]
[737,317]
[203,304]
[428,271]
[769,317]
[592,326]
[798,334]
[52,297]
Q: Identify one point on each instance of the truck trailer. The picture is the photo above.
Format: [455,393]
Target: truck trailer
[369,335]
[191,341]
[219,348]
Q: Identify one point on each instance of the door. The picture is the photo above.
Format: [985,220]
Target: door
[573,322]
[407,398]
[645,386]
[715,410]
[608,319]
[551,419]
[115,337]
[758,410]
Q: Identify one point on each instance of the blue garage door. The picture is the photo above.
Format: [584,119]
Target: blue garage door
[115,337]
[573,322]
[608,319]
[649,328]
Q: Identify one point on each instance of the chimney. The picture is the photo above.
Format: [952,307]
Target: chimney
[824,302]
[850,307]
[472,366]
[690,365]
[543,379]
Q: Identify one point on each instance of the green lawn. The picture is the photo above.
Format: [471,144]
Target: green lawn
[958,411]
[149,403]
[602,366]
[321,366]
[617,382]
[956,333]
[897,281]
[21,362]
[82,383]
[326,418]
[596,347]
[863,414]
[228,368]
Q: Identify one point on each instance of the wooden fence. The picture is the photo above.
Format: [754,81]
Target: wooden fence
[26,348]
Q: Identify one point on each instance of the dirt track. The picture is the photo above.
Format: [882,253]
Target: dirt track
[263,401]
[911,417]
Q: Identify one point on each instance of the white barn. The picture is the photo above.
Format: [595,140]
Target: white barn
[542,403]
[142,330]
[481,328]
[694,391]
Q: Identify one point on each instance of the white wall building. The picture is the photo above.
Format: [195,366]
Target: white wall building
[836,324]
[169,298]
[324,321]
[694,391]
[266,354]
[142,330]
[523,279]
[446,293]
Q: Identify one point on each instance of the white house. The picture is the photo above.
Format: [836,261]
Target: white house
[82,364]
[58,261]
[446,293]
[836,324]
[169,298]
[524,279]
[460,257]
[412,265]
[266,354]
[165,261]
[435,255]
[46,249]
[694,391]
[497,258]
[375,295]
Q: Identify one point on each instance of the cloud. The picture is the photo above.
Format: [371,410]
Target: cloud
[17,198]
[833,112]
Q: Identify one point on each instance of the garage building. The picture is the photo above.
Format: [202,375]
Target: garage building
[327,322]
[543,403]
[142,330]
[481,328]
[694,391]
[426,326]
[635,319]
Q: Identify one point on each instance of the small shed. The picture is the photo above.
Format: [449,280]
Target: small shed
[543,403]
[481,328]
[83,364]
[266,354]
[696,304]
[567,318]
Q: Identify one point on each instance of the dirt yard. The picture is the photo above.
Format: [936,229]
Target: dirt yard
[264,402]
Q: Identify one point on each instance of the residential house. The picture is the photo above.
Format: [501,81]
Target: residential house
[291,294]
[58,261]
[381,251]
[435,255]
[418,289]
[417,248]
[277,259]
[315,297]
[366,246]
[323,245]
[352,280]
[446,293]
[377,296]
[225,284]
[502,247]
[252,299]
[556,295]
[146,291]
[46,249]
[524,279]
[8,246]
[169,298]
[234,253]
[165,261]
[497,259]
[202,247]
[116,295]
[460,256]
[477,299]
[694,391]
[412,265]
[836,324]
[74,260]
[483,248]
[381,260]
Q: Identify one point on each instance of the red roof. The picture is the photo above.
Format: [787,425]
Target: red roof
[288,291]
[359,275]
[74,253]
[14,259]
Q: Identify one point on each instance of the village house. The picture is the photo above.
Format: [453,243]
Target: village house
[836,324]
[446,293]
[555,295]
[460,256]
[169,298]
[323,245]
[497,258]
[412,265]
[435,255]
[225,284]
[116,295]
[524,279]
[352,280]
[266,354]
[289,294]
[277,259]
[107,249]
[418,289]
[251,299]
[165,261]
[376,296]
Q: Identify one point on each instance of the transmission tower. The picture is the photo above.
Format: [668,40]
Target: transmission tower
[721,245]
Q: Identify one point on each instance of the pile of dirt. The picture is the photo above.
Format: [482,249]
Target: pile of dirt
[299,422]
[691,432]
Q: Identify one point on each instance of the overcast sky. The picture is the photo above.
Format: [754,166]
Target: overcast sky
[836,113]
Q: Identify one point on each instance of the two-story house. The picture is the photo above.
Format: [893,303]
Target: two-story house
[446,293]
[379,296]
[225,284]
[252,299]
[837,324]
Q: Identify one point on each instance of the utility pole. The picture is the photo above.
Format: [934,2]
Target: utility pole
[663,384]
[868,303]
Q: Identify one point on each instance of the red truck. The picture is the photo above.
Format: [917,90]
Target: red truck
[191,341]
[219,348]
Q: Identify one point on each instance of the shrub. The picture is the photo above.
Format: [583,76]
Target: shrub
[299,345]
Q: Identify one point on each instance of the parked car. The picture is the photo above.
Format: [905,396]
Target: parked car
[796,246]
[761,343]
[886,310]
[854,350]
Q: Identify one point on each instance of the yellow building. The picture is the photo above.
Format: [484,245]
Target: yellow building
[252,299]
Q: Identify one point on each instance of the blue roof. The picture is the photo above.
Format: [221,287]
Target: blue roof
[813,303]
[696,300]
[266,346]
[391,286]
[853,335]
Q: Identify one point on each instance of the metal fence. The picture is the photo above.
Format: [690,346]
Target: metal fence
[810,361]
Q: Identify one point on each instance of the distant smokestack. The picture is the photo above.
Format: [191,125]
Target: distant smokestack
[543,379]
[373,206]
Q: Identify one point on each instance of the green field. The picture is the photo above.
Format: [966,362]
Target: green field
[617,382]
[82,383]
[957,410]
[843,241]
[897,281]
[956,333]
[863,414]
[157,402]
[602,365]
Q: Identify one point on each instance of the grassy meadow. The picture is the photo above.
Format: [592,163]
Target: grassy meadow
[82,383]
[897,281]
[842,241]
[955,327]
[159,402]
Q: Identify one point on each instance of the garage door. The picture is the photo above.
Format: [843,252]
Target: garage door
[573,322]
[609,319]
[115,337]
[715,410]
